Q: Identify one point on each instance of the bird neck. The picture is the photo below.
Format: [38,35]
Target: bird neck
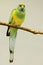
[20,14]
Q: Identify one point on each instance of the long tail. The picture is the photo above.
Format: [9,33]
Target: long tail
[12,46]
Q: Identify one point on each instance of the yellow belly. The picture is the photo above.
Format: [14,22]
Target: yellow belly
[17,20]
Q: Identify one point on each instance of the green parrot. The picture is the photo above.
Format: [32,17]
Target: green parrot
[17,17]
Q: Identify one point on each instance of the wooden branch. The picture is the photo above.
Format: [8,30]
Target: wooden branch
[22,28]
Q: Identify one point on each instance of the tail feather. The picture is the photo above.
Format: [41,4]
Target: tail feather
[11,48]
[12,38]
[11,57]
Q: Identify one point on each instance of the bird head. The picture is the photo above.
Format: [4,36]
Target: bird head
[21,7]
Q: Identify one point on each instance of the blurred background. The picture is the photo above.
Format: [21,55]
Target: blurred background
[28,47]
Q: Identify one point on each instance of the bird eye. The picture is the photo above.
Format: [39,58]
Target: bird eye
[24,5]
[20,5]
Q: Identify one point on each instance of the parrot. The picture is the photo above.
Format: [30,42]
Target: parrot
[17,17]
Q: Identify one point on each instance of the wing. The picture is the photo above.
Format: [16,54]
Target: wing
[8,32]
[10,22]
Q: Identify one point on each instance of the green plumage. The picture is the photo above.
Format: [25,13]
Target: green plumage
[16,18]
